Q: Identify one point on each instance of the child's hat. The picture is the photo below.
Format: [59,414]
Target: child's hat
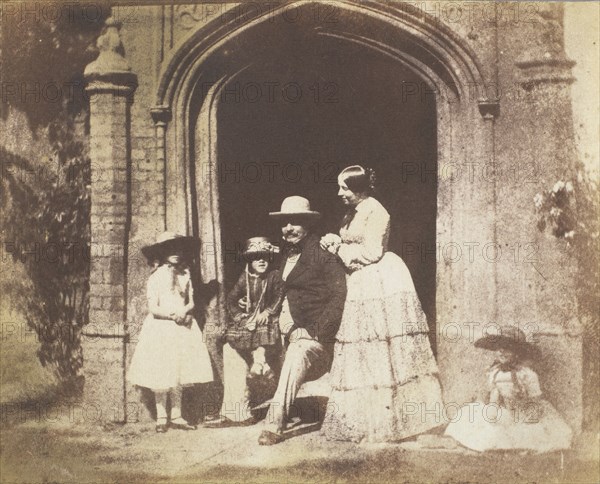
[259,246]
[170,242]
[510,338]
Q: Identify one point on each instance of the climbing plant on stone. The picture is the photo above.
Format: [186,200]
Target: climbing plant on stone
[570,211]
[45,217]
[46,229]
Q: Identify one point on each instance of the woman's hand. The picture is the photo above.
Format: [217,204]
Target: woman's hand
[331,243]
[333,249]
[259,319]
[187,321]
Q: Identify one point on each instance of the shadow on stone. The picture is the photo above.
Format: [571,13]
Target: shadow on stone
[200,401]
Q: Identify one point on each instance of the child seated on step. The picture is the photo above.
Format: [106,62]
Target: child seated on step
[515,416]
[254,305]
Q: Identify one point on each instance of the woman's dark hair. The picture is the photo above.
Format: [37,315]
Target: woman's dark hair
[359,179]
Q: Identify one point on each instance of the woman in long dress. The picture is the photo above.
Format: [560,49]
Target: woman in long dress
[384,377]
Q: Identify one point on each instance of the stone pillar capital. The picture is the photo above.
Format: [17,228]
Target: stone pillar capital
[543,60]
[161,115]
[489,109]
[547,68]
[110,72]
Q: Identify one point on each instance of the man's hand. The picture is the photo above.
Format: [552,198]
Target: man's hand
[299,333]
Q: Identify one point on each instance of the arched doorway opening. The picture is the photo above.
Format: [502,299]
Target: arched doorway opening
[288,124]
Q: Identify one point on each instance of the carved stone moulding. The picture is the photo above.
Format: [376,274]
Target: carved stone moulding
[161,115]
[548,69]
[489,108]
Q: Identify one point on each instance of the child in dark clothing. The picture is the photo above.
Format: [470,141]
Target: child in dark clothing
[254,304]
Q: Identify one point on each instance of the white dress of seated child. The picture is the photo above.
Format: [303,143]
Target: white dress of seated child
[516,417]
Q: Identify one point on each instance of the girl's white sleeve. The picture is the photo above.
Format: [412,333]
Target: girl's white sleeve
[153,288]
[529,381]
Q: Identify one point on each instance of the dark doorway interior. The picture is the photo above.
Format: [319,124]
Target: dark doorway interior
[289,123]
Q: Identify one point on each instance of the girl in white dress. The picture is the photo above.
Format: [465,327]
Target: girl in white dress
[514,415]
[170,352]
[384,376]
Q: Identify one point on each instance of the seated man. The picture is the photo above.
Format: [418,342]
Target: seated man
[314,285]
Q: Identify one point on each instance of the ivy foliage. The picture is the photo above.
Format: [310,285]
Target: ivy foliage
[570,211]
[43,52]
[44,196]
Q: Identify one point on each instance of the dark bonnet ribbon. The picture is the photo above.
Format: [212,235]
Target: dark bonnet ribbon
[510,366]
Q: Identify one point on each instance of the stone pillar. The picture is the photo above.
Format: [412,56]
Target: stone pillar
[161,115]
[110,86]
[539,292]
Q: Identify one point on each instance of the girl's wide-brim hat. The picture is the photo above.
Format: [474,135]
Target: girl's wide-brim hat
[509,338]
[171,243]
[295,207]
[259,247]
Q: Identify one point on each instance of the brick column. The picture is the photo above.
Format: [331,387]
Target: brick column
[111,85]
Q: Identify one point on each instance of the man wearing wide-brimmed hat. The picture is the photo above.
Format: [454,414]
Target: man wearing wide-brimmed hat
[314,284]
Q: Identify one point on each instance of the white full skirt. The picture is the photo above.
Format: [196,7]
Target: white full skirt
[537,427]
[384,375]
[168,355]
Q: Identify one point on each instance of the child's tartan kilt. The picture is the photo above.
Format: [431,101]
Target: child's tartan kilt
[243,339]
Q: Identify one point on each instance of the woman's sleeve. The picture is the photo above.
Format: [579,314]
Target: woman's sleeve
[529,382]
[371,247]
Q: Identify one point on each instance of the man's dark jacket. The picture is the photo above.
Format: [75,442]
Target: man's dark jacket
[316,291]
